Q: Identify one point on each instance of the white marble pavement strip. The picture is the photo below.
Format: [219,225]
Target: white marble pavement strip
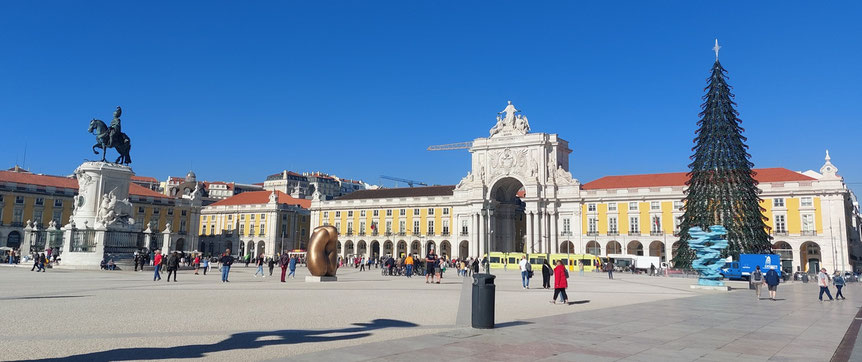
[731,326]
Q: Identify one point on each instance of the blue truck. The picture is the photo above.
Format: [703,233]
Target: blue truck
[741,269]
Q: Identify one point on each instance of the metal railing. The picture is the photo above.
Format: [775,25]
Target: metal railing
[592,233]
[613,233]
[656,233]
[779,233]
[123,242]
[83,241]
[156,240]
[809,233]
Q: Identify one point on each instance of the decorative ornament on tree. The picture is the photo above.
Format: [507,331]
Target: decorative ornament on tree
[708,247]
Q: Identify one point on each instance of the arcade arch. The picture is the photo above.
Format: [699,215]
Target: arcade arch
[508,220]
[614,247]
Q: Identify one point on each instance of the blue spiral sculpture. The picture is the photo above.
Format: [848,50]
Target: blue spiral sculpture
[709,260]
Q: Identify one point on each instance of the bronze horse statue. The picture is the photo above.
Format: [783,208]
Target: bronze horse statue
[120,142]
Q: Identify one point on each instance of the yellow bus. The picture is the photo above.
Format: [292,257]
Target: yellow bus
[570,261]
[537,260]
[496,260]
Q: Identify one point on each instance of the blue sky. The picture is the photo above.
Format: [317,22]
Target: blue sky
[240,90]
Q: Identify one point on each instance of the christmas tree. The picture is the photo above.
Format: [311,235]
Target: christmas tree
[721,186]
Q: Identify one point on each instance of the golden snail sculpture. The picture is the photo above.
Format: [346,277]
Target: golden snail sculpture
[322,256]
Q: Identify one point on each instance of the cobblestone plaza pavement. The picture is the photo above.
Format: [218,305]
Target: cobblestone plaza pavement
[122,315]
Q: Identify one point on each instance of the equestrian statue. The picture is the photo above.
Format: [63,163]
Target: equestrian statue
[111,137]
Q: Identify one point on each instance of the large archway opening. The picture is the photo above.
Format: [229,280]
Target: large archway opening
[614,247]
[361,248]
[464,249]
[810,252]
[656,248]
[14,240]
[785,252]
[508,221]
[635,248]
[402,249]
[387,248]
[446,249]
[375,249]
[594,248]
[567,247]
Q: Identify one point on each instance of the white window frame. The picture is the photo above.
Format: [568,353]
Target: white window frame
[633,206]
[613,225]
[655,205]
[634,224]
[591,207]
[803,199]
[612,206]
[778,202]
[592,225]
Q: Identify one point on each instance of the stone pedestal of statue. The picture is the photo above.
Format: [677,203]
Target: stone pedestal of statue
[315,279]
[101,205]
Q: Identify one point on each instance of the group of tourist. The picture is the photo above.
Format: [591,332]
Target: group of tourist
[771,280]
[171,263]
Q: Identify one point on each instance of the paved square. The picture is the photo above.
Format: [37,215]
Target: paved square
[123,315]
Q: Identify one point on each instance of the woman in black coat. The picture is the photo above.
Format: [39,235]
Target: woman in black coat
[546,275]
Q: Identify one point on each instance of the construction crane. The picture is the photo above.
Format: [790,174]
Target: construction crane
[451,146]
[408,182]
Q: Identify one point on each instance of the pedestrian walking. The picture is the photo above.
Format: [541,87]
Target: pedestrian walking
[652,269]
[197,263]
[581,267]
[173,265]
[838,280]
[522,265]
[610,269]
[35,263]
[206,265]
[291,265]
[823,283]
[362,264]
[772,281]
[430,261]
[259,263]
[137,260]
[157,264]
[546,274]
[282,262]
[226,262]
[755,280]
[560,283]
[271,264]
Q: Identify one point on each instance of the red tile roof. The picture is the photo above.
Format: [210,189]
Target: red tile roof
[262,197]
[145,179]
[400,192]
[26,178]
[66,182]
[777,174]
[228,184]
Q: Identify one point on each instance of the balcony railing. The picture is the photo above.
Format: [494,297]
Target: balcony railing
[592,233]
[416,233]
[634,233]
[401,233]
[566,233]
[445,233]
[779,233]
[809,232]
[374,233]
[349,232]
[17,224]
[613,233]
[361,233]
[463,233]
[388,233]
[656,233]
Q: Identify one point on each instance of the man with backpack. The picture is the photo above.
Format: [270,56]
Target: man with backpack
[526,268]
[755,280]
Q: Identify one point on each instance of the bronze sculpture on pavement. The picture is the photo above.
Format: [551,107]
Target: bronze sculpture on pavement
[322,256]
[111,137]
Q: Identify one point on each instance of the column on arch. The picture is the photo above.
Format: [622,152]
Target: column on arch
[539,236]
[555,240]
[529,247]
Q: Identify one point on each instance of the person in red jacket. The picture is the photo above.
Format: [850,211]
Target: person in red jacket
[157,262]
[560,282]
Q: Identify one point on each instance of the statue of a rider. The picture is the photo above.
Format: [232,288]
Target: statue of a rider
[115,128]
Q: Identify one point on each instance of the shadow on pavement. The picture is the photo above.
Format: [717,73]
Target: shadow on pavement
[580,302]
[246,340]
[511,324]
[46,297]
